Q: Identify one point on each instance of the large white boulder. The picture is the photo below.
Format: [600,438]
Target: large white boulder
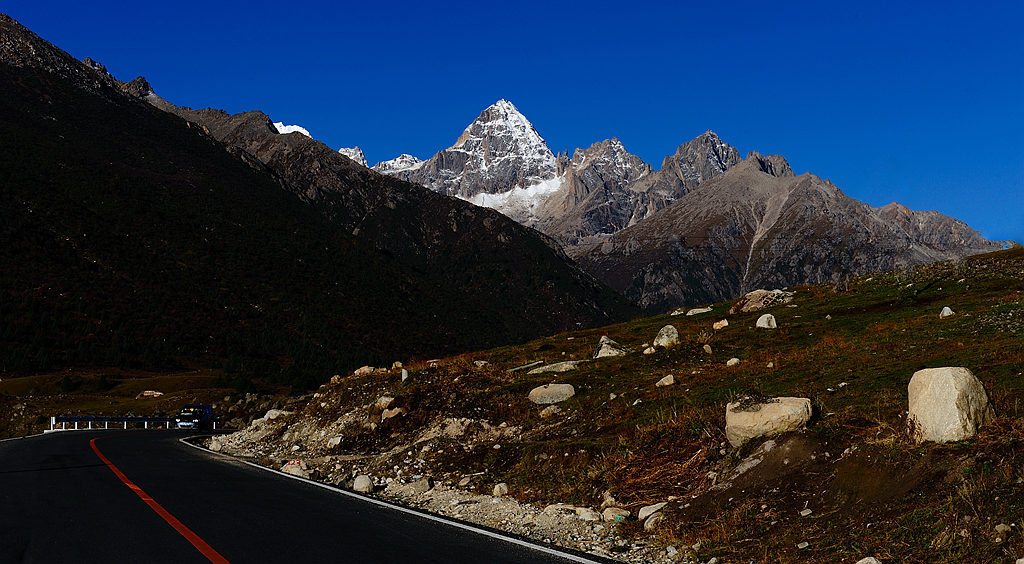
[946,312]
[767,321]
[668,337]
[946,404]
[551,393]
[745,420]
[557,367]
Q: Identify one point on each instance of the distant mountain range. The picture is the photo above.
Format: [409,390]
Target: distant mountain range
[133,237]
[707,226]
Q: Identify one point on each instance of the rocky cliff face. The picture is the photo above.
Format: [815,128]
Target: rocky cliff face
[760,226]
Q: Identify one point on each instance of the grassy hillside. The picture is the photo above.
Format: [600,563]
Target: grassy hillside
[851,349]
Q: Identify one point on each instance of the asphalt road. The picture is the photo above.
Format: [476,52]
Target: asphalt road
[59,502]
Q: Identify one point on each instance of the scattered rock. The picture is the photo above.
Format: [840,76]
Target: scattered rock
[334,441]
[760,299]
[946,404]
[550,411]
[480,363]
[650,350]
[868,560]
[747,419]
[396,365]
[362,484]
[422,485]
[551,393]
[766,321]
[384,402]
[405,375]
[698,310]
[465,482]
[653,521]
[803,545]
[557,367]
[608,347]
[616,514]
[649,510]
[587,514]
[770,365]
[275,413]
[296,468]
[828,316]
[667,337]
[389,413]
[720,324]
[500,489]
[946,312]
[707,349]
[215,445]
[364,371]
[666,381]
[732,361]
[805,512]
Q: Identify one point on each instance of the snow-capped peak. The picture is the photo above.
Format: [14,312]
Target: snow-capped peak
[403,162]
[354,153]
[282,129]
[502,131]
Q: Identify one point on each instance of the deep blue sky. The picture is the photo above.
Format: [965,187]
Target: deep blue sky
[921,102]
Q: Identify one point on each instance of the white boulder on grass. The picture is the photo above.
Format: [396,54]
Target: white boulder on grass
[648,510]
[946,404]
[946,312]
[666,381]
[722,324]
[557,367]
[767,321]
[745,419]
[698,311]
[732,361]
[551,393]
[607,347]
[668,337]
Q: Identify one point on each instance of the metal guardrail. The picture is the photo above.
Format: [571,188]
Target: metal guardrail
[106,421]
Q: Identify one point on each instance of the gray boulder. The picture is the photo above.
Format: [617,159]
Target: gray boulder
[551,393]
[668,337]
[648,510]
[666,381]
[608,347]
[766,321]
[746,419]
[946,404]
[557,367]
[946,312]
[500,489]
[362,484]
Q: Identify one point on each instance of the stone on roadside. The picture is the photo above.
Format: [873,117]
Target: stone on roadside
[616,514]
[557,367]
[500,489]
[551,393]
[648,510]
[946,404]
[550,411]
[668,337]
[607,347]
[362,484]
[732,361]
[422,485]
[746,419]
[296,468]
[215,445]
[666,381]
[722,324]
[766,321]
[946,312]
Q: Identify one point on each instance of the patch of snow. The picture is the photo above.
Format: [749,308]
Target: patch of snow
[519,202]
[282,129]
[401,163]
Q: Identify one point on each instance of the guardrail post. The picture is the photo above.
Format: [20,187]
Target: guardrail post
[90,424]
[145,424]
[76,425]
[52,421]
[106,424]
[125,424]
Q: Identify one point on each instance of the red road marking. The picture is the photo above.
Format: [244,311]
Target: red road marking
[191,537]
